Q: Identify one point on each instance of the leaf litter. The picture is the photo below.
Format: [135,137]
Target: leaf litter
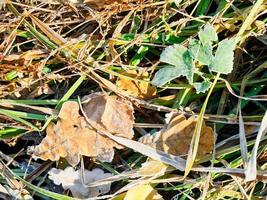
[72,137]
[121,45]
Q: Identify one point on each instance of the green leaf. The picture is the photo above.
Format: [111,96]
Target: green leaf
[11,75]
[202,54]
[136,21]
[202,86]
[24,34]
[167,74]
[224,56]
[190,66]
[173,55]
[46,70]
[179,56]
[139,56]
[207,35]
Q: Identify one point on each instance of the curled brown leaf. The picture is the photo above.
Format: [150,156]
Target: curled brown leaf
[109,113]
[72,136]
[176,137]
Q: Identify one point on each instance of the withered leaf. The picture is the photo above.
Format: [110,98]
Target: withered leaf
[143,192]
[23,58]
[72,137]
[140,89]
[176,137]
[109,113]
[152,168]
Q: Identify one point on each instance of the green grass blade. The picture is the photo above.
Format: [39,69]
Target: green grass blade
[12,116]
[196,136]
[71,91]
[24,115]
[31,101]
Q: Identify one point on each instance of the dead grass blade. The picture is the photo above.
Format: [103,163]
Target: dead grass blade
[117,32]
[249,20]
[12,182]
[261,175]
[252,98]
[175,161]
[242,138]
[251,170]
[51,34]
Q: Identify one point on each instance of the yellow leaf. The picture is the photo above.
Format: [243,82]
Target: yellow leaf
[143,192]
[137,87]
[152,168]
[119,197]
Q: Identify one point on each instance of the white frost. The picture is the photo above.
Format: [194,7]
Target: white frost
[72,180]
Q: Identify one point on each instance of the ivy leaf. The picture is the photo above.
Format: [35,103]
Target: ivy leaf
[181,63]
[203,54]
[168,73]
[224,56]
[202,87]
[207,35]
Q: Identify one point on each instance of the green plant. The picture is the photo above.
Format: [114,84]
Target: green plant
[189,61]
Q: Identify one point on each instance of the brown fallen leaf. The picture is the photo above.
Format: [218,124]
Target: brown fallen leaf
[72,136]
[176,137]
[109,113]
[140,89]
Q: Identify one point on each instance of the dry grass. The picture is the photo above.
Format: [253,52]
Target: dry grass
[53,51]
